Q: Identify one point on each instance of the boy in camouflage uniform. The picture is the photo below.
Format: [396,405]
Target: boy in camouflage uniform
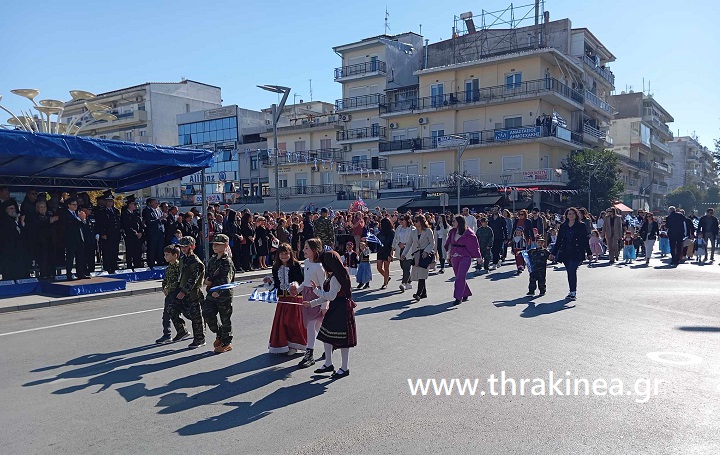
[324,229]
[170,285]
[189,295]
[219,303]
[486,238]
[538,260]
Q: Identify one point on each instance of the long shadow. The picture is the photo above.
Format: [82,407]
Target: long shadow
[666,266]
[104,367]
[534,310]
[698,328]
[392,306]
[424,311]
[131,374]
[246,412]
[501,275]
[513,302]
[370,296]
[219,377]
[95,358]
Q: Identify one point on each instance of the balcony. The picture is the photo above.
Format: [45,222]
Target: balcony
[662,167]
[359,70]
[309,190]
[641,165]
[125,119]
[604,73]
[520,178]
[398,184]
[598,105]
[359,102]
[556,135]
[659,125]
[362,134]
[660,146]
[659,189]
[304,157]
[550,90]
[362,166]
[317,123]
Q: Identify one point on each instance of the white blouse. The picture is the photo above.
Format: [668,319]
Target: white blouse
[326,296]
[313,272]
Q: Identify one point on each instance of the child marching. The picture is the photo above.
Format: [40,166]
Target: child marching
[350,258]
[629,253]
[312,316]
[170,286]
[187,299]
[518,245]
[595,245]
[288,334]
[219,303]
[538,266]
[364,272]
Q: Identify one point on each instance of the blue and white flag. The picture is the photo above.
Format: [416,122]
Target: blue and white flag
[327,248]
[263,296]
[373,239]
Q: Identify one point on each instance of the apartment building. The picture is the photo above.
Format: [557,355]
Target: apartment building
[233,134]
[523,98]
[692,164]
[146,113]
[640,134]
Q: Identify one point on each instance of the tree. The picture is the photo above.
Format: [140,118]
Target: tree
[600,167]
[685,197]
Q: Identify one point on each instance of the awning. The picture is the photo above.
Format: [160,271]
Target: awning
[81,163]
[623,208]
[469,202]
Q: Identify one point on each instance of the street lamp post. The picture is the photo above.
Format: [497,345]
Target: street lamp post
[277,110]
[505,180]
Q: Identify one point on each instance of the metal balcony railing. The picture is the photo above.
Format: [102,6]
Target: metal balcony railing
[362,165]
[603,72]
[309,190]
[596,101]
[304,157]
[358,69]
[485,137]
[662,166]
[659,144]
[359,101]
[485,95]
[362,133]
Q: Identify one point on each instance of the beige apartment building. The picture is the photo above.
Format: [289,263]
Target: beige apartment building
[146,113]
[640,134]
[692,164]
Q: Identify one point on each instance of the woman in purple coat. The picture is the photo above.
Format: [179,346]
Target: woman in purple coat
[462,247]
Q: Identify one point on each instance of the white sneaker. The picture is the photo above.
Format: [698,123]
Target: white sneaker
[292,351]
[408,286]
[402,287]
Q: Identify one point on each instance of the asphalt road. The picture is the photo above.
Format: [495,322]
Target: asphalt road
[87,378]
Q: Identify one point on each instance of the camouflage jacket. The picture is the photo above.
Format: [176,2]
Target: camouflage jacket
[171,282]
[485,236]
[221,270]
[538,259]
[192,274]
[324,231]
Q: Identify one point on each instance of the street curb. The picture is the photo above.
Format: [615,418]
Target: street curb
[58,301]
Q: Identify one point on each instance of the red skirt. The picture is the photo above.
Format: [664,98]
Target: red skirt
[288,330]
[310,314]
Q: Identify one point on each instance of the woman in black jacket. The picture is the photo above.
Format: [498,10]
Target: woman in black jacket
[571,247]
[648,233]
[247,231]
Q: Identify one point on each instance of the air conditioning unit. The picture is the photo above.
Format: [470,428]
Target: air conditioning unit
[346,117]
[422,120]
[393,125]
[347,148]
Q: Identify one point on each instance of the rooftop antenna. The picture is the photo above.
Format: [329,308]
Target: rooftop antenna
[420,29]
[387,16]
[310,90]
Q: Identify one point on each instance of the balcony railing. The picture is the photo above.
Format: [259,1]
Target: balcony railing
[499,136]
[362,133]
[398,184]
[659,144]
[587,129]
[484,96]
[304,157]
[322,122]
[309,190]
[638,164]
[359,69]
[359,101]
[362,165]
[603,72]
[593,99]
[662,166]
[658,124]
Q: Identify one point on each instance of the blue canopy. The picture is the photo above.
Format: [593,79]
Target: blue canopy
[82,163]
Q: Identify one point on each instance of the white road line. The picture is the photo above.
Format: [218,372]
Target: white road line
[90,320]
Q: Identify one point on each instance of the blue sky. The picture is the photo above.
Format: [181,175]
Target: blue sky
[100,46]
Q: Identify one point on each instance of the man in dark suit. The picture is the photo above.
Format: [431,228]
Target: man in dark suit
[107,225]
[154,220]
[676,231]
[172,224]
[133,228]
[74,241]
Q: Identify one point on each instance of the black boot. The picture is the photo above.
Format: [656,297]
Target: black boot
[307,360]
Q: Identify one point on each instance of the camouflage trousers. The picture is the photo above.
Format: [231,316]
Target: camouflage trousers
[213,308]
[191,310]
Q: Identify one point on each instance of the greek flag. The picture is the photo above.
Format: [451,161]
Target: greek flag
[263,296]
[327,248]
[373,239]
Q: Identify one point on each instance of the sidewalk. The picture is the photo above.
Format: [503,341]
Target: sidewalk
[30,302]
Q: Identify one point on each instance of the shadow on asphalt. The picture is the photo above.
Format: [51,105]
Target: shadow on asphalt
[106,364]
[534,310]
[398,305]
[497,276]
[524,299]
[423,311]
[698,328]
[95,358]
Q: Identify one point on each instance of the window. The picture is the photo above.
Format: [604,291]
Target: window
[513,122]
[103,137]
[299,146]
[436,172]
[511,163]
[412,133]
[283,183]
[128,135]
[253,163]
[325,144]
[471,167]
[472,90]
[436,131]
[437,94]
[513,80]
[398,136]
[142,133]
[141,107]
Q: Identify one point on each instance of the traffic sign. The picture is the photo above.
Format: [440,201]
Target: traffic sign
[451,141]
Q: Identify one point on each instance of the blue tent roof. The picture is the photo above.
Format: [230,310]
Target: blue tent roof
[81,163]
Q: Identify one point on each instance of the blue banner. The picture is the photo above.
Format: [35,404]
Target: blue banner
[518,133]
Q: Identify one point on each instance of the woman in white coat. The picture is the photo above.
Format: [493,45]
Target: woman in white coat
[421,250]
[403,236]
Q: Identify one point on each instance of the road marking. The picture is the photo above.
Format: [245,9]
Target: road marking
[690,359]
[90,320]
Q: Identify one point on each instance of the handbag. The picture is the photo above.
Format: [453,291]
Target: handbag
[425,262]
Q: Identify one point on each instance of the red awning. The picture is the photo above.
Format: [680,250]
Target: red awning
[623,208]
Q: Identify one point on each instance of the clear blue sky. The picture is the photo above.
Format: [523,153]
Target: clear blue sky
[57,46]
